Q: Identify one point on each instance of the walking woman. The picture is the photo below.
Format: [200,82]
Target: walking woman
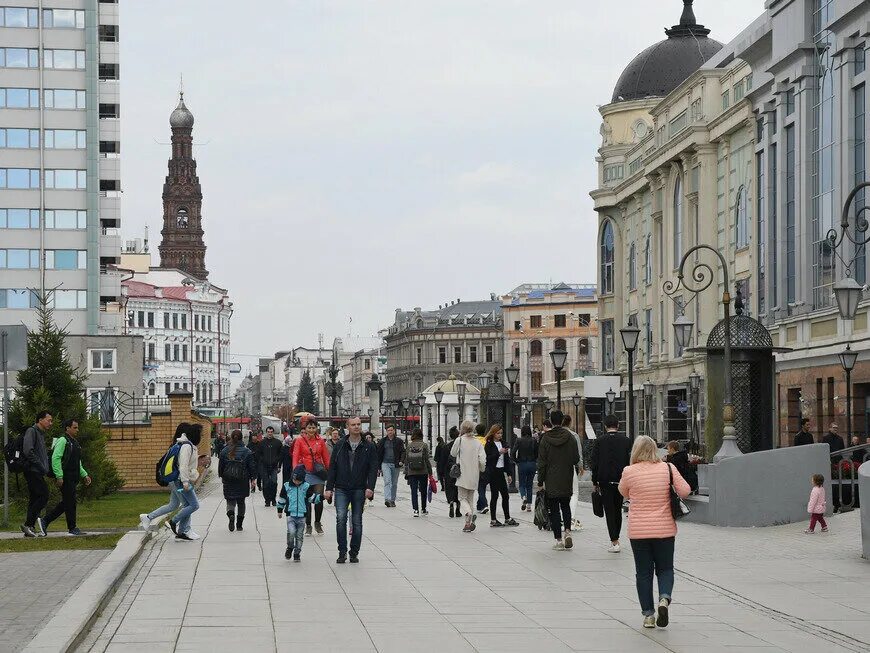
[418,468]
[310,450]
[445,462]
[652,530]
[469,454]
[174,497]
[497,468]
[188,473]
[440,472]
[525,455]
[236,470]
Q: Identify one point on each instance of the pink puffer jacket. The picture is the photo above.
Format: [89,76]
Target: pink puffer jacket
[646,486]
[817,504]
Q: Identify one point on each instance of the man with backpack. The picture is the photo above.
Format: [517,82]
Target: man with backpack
[67,468]
[269,459]
[418,469]
[35,464]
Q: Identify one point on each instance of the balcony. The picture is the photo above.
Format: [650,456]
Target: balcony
[110,243]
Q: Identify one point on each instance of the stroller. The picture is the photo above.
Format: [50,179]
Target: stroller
[542,516]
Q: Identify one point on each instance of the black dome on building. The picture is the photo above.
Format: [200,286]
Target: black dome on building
[662,67]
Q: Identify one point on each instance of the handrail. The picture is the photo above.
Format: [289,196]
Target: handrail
[838,458]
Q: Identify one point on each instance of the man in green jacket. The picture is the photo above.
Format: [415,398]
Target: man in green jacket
[66,465]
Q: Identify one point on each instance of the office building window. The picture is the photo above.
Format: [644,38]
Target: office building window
[19,178]
[19,259]
[19,58]
[19,138]
[472,354]
[64,59]
[68,299]
[101,360]
[442,355]
[18,298]
[65,139]
[860,59]
[66,179]
[19,17]
[632,268]
[488,353]
[19,218]
[65,98]
[741,219]
[457,354]
[678,221]
[70,259]
[790,214]
[19,98]
[66,219]
[647,260]
[72,18]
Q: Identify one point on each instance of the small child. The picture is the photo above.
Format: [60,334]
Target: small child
[294,502]
[817,506]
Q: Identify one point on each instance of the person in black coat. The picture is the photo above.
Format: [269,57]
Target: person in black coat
[445,461]
[237,470]
[610,455]
[525,454]
[680,459]
[269,457]
[803,436]
[497,468]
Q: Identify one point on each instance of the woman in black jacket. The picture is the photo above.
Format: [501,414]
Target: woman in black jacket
[525,455]
[237,469]
[497,466]
[445,461]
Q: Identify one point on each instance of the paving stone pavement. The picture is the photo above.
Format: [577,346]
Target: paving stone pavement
[33,586]
[422,585]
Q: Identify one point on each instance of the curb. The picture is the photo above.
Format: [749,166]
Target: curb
[71,622]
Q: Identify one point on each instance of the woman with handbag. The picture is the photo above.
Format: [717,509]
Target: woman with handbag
[470,462]
[654,489]
[310,450]
[445,460]
[238,472]
[498,470]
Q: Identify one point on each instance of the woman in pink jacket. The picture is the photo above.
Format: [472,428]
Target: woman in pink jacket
[651,527]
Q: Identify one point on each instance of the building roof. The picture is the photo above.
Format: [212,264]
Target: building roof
[532,291]
[662,67]
[459,313]
[181,118]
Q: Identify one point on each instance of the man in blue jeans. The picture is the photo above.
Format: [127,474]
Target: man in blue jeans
[390,452]
[353,472]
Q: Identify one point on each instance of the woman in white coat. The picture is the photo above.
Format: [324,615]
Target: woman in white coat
[471,458]
[188,456]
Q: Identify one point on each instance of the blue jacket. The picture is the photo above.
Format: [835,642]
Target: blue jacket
[293,499]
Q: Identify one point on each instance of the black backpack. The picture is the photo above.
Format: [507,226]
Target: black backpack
[12,452]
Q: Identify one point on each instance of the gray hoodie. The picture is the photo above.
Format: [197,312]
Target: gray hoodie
[33,450]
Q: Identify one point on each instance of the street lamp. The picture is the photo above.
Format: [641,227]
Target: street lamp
[439,395]
[559,356]
[577,399]
[848,358]
[511,375]
[695,387]
[647,401]
[847,291]
[421,401]
[701,278]
[611,397]
[460,396]
[549,406]
[483,381]
[630,334]
[406,404]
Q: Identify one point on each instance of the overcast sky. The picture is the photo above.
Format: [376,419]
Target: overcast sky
[362,155]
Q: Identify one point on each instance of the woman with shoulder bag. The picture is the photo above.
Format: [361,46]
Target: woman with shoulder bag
[237,471]
[498,471]
[447,460]
[469,456]
[649,484]
[310,450]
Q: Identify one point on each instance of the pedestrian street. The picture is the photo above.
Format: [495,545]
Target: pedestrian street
[422,585]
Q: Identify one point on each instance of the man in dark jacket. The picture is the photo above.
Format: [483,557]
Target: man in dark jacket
[353,472]
[803,436]
[66,465]
[390,452]
[610,455]
[36,467]
[558,455]
[269,459]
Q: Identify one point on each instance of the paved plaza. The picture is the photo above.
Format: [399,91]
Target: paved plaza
[422,585]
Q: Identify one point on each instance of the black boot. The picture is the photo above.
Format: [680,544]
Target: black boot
[232,517]
[239,521]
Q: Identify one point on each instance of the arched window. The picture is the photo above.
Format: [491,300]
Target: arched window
[632,268]
[583,347]
[537,348]
[181,218]
[420,323]
[678,221]
[741,219]
[560,344]
[647,261]
[607,259]
[210,392]
[152,389]
[196,393]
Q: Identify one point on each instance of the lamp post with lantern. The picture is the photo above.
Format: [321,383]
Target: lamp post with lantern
[439,396]
[848,358]
[630,334]
[511,375]
[610,395]
[647,403]
[483,381]
[577,399]
[559,357]
[421,401]
[460,398]
[406,405]
[695,387]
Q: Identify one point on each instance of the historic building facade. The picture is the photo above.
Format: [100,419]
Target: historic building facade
[676,169]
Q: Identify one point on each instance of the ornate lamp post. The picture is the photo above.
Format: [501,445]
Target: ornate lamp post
[695,386]
[439,395]
[421,401]
[611,397]
[549,406]
[848,358]
[558,356]
[483,381]
[460,397]
[701,278]
[374,386]
[511,375]
[630,334]
[577,399]
[848,291]
[406,404]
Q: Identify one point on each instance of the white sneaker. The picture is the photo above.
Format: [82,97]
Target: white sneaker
[614,548]
[559,546]
[192,534]
[576,525]
[144,522]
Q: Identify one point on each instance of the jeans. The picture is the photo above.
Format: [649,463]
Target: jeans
[37,491]
[355,498]
[612,500]
[295,533]
[270,483]
[391,480]
[419,483]
[560,514]
[66,505]
[498,486]
[481,492]
[190,506]
[527,475]
[655,554]
[172,506]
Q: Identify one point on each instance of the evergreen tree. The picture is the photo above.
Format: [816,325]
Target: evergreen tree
[50,383]
[306,396]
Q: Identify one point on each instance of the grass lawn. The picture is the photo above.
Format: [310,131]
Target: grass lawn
[119,510]
[20,545]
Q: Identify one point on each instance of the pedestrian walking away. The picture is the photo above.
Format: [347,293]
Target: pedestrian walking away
[174,502]
[310,450]
[440,469]
[352,477]
[451,492]
[270,461]
[578,471]
[679,458]
[817,505]
[469,455]
[418,468]
[188,456]
[391,451]
[35,457]
[525,454]
[647,483]
[67,468]
[483,481]
[558,456]
[237,472]
[294,500]
[497,470]
[610,455]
